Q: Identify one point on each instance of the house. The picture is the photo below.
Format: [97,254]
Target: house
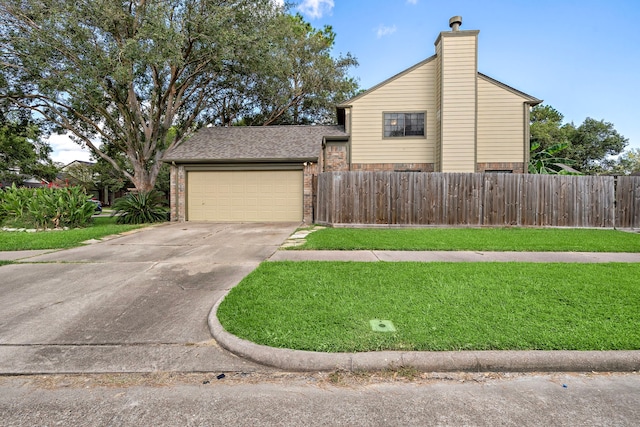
[441,115]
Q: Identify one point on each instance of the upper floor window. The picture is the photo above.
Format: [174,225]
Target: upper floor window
[403,124]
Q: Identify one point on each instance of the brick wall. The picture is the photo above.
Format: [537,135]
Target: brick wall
[177,192]
[335,158]
[515,167]
[173,193]
[399,167]
[310,169]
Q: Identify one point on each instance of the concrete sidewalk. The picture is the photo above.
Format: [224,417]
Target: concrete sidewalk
[454,256]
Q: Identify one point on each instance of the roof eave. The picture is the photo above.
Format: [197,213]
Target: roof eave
[531,100]
[242,160]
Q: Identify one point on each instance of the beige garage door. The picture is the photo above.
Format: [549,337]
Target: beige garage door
[244,196]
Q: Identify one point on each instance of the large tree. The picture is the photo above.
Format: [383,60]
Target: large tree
[593,142]
[124,73]
[547,129]
[302,83]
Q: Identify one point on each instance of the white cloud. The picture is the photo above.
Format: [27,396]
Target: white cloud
[316,8]
[385,31]
[66,151]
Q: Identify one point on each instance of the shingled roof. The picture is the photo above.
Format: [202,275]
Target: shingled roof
[254,143]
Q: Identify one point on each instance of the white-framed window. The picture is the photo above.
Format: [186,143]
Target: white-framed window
[398,125]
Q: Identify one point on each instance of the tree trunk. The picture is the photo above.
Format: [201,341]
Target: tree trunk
[143,179]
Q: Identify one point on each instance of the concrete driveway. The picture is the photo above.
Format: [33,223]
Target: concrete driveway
[136,303]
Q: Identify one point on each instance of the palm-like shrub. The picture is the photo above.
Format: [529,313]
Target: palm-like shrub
[140,207]
[548,161]
[44,208]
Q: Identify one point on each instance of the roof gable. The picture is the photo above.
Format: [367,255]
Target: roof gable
[348,102]
[530,99]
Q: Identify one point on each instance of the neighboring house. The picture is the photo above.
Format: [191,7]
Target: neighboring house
[441,115]
[77,164]
[26,180]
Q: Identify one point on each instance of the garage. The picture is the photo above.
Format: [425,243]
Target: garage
[245,196]
[248,173]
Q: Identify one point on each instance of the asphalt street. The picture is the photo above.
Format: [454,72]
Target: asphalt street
[323,400]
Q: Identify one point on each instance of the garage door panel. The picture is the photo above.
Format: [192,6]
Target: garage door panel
[244,195]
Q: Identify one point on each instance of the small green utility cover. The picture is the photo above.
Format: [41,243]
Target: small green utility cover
[382,325]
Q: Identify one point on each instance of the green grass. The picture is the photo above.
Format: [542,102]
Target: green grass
[16,241]
[327,306]
[5,262]
[473,239]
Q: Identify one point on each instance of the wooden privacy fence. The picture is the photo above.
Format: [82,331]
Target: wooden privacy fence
[477,199]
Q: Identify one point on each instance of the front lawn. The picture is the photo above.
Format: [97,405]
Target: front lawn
[473,239]
[17,241]
[328,306]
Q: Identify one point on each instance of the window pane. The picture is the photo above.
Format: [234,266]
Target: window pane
[414,124]
[394,124]
[403,124]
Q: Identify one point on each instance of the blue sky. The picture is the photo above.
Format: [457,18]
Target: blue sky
[580,57]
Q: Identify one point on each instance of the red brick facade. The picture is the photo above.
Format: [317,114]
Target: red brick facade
[335,158]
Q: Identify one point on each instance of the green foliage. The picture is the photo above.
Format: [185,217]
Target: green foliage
[44,208]
[546,127]
[163,182]
[140,208]
[126,73]
[300,82]
[81,175]
[628,163]
[592,142]
[585,148]
[546,161]
[22,154]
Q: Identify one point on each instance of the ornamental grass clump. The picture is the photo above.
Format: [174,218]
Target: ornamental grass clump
[45,208]
[140,207]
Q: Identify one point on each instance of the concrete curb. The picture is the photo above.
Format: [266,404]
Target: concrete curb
[445,361]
